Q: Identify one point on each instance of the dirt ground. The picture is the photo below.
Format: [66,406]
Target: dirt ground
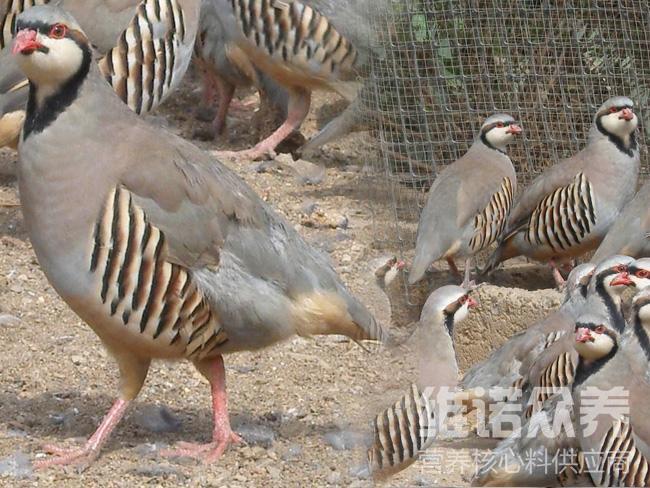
[301,406]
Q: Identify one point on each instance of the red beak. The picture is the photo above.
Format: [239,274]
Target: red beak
[514,129]
[622,279]
[626,114]
[472,302]
[25,42]
[583,335]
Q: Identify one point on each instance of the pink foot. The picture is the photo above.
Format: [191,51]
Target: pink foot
[208,453]
[80,457]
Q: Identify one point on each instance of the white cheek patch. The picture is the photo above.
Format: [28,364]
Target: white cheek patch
[599,348]
[499,137]
[461,313]
[619,127]
[63,59]
[644,316]
[640,283]
[390,276]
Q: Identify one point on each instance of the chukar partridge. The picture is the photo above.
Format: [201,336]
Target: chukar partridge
[161,249]
[550,434]
[303,45]
[404,430]
[554,368]
[615,443]
[146,47]
[569,208]
[469,201]
[506,367]
[225,67]
[630,234]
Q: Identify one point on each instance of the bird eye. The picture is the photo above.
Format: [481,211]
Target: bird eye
[600,329]
[642,273]
[58,31]
[621,268]
[462,299]
[499,124]
[613,110]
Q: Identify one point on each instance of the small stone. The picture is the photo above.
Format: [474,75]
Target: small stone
[273,472]
[256,434]
[17,465]
[342,440]
[157,471]
[360,471]
[148,449]
[308,207]
[292,453]
[334,478]
[77,359]
[7,320]
[158,419]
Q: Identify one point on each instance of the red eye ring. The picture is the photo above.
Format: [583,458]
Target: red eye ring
[462,300]
[600,329]
[613,110]
[58,31]
[642,273]
[621,268]
[499,124]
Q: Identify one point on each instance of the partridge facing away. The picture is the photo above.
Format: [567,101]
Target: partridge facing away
[146,47]
[407,428]
[550,434]
[225,67]
[303,45]
[507,366]
[161,249]
[615,443]
[569,208]
[630,234]
[469,201]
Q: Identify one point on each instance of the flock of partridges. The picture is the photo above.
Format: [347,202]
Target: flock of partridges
[167,254]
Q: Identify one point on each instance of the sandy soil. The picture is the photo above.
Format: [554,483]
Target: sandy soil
[302,406]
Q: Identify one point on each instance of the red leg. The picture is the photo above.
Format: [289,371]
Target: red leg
[222,434]
[557,276]
[88,453]
[226,91]
[453,269]
[299,102]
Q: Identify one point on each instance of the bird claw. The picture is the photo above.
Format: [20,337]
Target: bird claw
[208,453]
[79,457]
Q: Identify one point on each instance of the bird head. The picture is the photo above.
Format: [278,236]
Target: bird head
[612,275]
[49,46]
[639,273]
[578,280]
[594,338]
[616,117]
[387,269]
[499,130]
[450,303]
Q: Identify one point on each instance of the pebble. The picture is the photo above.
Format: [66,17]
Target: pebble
[343,440]
[360,471]
[292,453]
[158,418]
[17,465]
[7,320]
[334,478]
[256,434]
[158,471]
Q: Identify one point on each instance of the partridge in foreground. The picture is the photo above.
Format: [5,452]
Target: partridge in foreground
[225,67]
[569,208]
[303,45]
[630,234]
[469,201]
[161,249]
[146,47]
[407,428]
[507,367]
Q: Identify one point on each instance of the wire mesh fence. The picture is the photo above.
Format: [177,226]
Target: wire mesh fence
[448,64]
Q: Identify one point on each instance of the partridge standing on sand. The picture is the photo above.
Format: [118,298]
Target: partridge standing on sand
[469,201]
[161,249]
[569,208]
[303,45]
[146,47]
[630,234]
[404,430]
[225,67]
